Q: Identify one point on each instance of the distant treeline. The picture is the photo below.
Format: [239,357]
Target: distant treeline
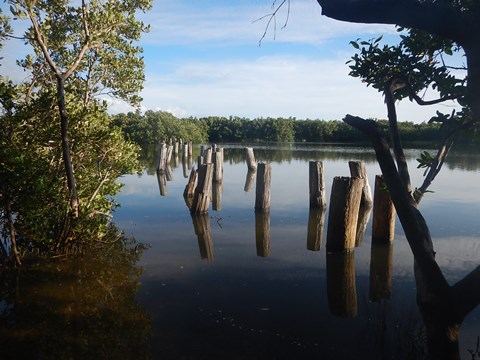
[153,126]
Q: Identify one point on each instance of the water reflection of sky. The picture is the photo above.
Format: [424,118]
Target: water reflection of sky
[282,299]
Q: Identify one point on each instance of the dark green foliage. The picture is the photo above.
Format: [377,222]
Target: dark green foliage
[156,126]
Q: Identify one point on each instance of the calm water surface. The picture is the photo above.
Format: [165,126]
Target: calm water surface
[215,290]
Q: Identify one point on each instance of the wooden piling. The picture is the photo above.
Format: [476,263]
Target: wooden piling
[191,185]
[318,198]
[250,157]
[169,154]
[262,194]
[203,190]
[262,233]
[343,214]
[207,156]
[249,180]
[383,227]
[162,157]
[217,159]
[363,216]
[184,151]
[358,169]
[190,149]
[316,223]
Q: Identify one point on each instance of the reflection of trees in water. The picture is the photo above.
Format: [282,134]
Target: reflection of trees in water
[463,160]
[80,307]
[280,152]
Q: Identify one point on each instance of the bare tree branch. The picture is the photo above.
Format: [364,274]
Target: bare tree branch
[273,17]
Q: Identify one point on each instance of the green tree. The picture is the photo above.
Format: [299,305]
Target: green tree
[77,51]
[83,49]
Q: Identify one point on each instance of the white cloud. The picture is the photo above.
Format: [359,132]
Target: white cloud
[177,22]
[269,86]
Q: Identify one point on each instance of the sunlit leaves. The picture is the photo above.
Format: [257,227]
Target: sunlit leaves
[419,60]
[112,64]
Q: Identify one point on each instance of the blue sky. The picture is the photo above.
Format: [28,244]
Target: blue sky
[203,58]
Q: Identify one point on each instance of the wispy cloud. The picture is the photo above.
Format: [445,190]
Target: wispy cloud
[278,86]
[186,22]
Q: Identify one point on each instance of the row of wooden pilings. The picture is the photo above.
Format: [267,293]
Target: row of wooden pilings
[350,201]
[351,204]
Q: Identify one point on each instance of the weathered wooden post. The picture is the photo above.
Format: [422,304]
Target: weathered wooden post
[383,227]
[341,286]
[318,198]
[358,169]
[190,149]
[207,156]
[175,148]
[203,190]
[316,222]
[169,154]
[381,270]
[162,157]
[249,180]
[343,214]
[201,225]
[192,183]
[362,222]
[184,151]
[262,194]
[217,159]
[250,157]
[262,233]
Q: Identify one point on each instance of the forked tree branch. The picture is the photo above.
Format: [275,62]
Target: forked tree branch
[273,17]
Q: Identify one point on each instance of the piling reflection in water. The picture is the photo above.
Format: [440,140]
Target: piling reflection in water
[316,223]
[217,191]
[262,233]
[201,225]
[381,269]
[162,183]
[341,286]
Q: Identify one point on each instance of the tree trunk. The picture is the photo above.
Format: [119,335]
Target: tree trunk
[472,51]
[442,306]
[67,160]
